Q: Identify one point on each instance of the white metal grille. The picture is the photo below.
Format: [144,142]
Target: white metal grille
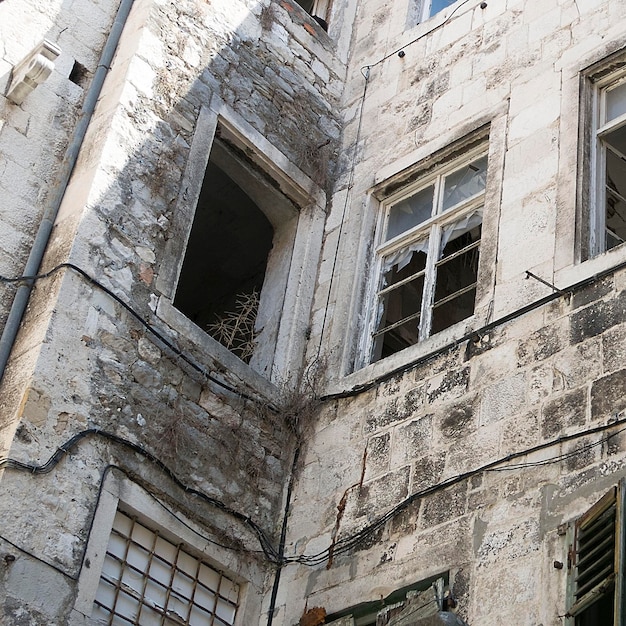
[148,581]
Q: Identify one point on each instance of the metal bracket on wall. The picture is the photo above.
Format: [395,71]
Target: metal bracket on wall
[32,71]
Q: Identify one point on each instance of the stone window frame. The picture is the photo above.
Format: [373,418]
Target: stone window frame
[291,266]
[396,188]
[431,595]
[121,493]
[606,518]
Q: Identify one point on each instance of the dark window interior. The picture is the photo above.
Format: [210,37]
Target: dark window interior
[457,272]
[225,263]
[615,187]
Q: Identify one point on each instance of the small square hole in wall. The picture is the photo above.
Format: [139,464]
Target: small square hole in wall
[79,74]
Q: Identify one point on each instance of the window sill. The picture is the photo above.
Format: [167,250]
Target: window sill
[441,341]
[213,354]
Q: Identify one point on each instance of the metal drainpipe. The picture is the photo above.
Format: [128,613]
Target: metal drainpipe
[22,295]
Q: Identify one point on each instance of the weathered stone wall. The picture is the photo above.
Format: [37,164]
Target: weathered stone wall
[459,401]
[556,371]
[85,361]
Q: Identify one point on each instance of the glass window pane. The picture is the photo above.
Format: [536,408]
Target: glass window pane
[199,617]
[183,585]
[456,274]
[106,594]
[138,558]
[225,611]
[165,549]
[187,563]
[616,102]
[123,524]
[117,546]
[229,590]
[404,301]
[465,183]
[410,212]
[204,598]
[127,606]
[143,536]
[111,568]
[160,570]
[615,200]
[439,5]
[209,577]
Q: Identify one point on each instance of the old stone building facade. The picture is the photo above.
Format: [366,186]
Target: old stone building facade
[313,312]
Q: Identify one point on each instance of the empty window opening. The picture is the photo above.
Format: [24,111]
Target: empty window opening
[318,9]
[235,269]
[428,8]
[79,74]
[148,580]
[429,257]
[225,263]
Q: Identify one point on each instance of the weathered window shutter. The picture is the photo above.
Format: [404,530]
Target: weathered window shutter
[597,557]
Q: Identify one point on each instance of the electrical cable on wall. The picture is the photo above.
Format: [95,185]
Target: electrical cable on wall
[155,332]
[345,544]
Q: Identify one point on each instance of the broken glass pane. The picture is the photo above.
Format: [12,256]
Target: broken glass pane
[615,199]
[465,183]
[401,300]
[410,212]
[455,289]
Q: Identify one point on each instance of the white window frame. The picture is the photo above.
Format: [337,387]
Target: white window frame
[431,228]
[119,492]
[598,162]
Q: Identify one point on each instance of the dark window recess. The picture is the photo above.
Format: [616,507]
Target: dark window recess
[225,263]
[596,562]
[79,74]
[316,9]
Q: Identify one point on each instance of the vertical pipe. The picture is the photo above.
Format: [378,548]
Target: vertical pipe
[22,295]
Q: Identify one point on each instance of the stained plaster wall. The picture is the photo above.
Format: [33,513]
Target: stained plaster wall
[83,361]
[556,370]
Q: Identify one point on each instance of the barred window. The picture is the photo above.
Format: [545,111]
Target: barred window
[149,580]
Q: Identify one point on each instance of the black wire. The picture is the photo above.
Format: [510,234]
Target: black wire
[155,332]
[353,541]
[180,520]
[38,558]
[343,545]
[61,451]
